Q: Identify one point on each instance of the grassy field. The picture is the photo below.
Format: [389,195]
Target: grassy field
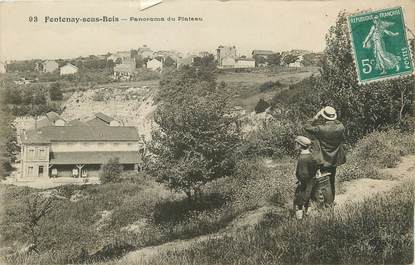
[376,231]
[246,85]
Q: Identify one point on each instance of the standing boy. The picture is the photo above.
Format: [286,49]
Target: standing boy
[306,171]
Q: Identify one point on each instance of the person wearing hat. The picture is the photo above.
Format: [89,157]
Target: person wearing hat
[328,149]
[305,172]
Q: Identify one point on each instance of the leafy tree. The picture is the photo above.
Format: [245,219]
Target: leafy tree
[196,139]
[261,106]
[289,58]
[274,59]
[259,60]
[37,208]
[8,141]
[168,62]
[55,92]
[362,108]
[111,172]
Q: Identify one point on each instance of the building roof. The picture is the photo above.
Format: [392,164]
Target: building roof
[80,133]
[68,158]
[104,117]
[48,120]
[70,65]
[262,52]
[49,62]
[245,59]
[76,123]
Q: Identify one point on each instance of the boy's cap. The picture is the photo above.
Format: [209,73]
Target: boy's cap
[302,140]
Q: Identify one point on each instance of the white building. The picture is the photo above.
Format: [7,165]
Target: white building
[49,66]
[155,65]
[2,68]
[245,63]
[68,69]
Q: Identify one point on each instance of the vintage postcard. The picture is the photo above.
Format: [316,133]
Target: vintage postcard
[180,132]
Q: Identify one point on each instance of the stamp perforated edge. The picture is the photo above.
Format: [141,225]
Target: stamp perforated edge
[391,77]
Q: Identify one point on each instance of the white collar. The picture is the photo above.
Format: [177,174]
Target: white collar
[305,152]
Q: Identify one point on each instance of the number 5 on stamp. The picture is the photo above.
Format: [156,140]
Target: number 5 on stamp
[380,47]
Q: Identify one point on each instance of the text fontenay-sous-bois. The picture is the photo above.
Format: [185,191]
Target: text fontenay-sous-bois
[112,19]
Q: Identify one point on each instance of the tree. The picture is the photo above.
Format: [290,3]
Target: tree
[365,108]
[111,172]
[55,92]
[261,106]
[289,58]
[197,138]
[8,141]
[259,60]
[168,62]
[274,59]
[37,207]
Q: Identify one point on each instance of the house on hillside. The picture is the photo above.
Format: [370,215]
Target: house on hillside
[124,71]
[187,60]
[262,53]
[2,68]
[78,149]
[226,56]
[155,65]
[68,69]
[100,119]
[49,66]
[145,52]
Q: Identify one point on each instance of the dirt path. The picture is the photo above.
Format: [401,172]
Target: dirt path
[246,220]
[359,189]
[355,191]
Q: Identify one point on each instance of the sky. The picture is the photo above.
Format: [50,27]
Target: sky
[247,24]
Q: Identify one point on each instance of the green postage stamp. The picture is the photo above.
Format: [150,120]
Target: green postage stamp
[380,47]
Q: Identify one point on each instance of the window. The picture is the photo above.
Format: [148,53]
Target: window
[31,154]
[40,170]
[30,171]
[42,154]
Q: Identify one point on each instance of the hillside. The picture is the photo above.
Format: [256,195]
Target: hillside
[132,106]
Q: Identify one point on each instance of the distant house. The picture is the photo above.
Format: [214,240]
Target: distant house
[189,60]
[155,65]
[49,66]
[2,68]
[112,57]
[77,151]
[226,56]
[68,69]
[100,119]
[145,52]
[261,53]
[123,56]
[245,63]
[227,62]
[124,71]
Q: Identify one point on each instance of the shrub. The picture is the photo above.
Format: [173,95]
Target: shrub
[270,85]
[274,138]
[377,231]
[261,106]
[55,92]
[376,150]
[111,171]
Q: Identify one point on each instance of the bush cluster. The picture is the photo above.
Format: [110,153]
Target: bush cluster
[380,149]
[361,234]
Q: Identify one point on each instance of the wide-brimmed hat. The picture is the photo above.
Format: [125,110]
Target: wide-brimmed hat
[329,113]
[302,140]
